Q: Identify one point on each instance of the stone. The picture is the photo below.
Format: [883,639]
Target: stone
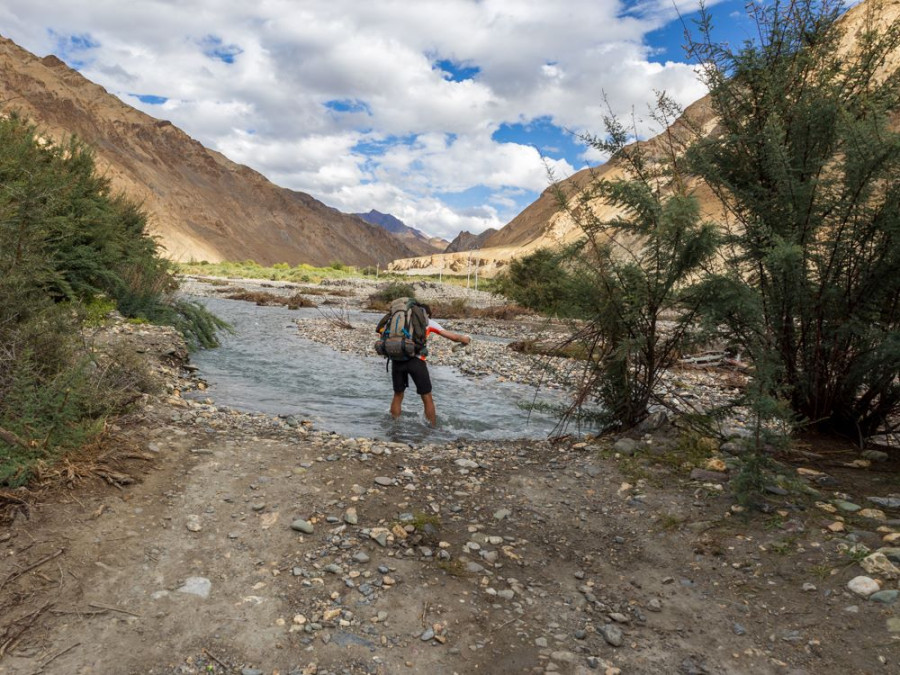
[384,481]
[885,597]
[199,586]
[502,513]
[892,553]
[874,514]
[733,448]
[846,507]
[863,586]
[625,446]
[878,564]
[716,464]
[886,502]
[709,476]
[303,526]
[612,634]
[350,516]
[653,422]
[875,455]
[193,523]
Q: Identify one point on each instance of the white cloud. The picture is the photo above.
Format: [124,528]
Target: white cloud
[267,108]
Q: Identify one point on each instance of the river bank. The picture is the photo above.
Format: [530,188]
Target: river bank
[247,543]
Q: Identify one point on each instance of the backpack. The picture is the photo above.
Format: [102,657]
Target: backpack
[403,334]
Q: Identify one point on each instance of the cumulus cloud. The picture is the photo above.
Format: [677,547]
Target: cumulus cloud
[346,100]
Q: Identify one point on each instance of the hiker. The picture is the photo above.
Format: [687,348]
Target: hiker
[416,325]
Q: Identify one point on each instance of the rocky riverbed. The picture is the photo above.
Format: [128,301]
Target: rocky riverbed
[230,542]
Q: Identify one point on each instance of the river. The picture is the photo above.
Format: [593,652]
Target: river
[265,366]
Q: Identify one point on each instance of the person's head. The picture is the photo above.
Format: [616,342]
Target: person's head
[427,308]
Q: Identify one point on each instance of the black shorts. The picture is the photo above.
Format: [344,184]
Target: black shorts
[401,371]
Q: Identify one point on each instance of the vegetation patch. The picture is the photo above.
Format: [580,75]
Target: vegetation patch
[71,252]
[265,299]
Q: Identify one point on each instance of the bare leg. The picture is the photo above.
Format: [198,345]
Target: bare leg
[395,404]
[430,413]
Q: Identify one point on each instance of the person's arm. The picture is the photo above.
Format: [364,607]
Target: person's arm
[456,337]
[435,327]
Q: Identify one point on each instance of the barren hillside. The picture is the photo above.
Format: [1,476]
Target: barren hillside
[202,206]
[544,225]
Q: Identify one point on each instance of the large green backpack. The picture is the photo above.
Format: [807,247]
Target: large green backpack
[402,331]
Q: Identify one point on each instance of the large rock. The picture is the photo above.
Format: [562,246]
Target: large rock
[878,564]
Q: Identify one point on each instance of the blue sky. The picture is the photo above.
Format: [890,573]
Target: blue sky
[445,113]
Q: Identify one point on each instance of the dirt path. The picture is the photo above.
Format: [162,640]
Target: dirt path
[258,545]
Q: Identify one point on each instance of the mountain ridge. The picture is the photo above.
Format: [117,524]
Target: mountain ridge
[542,224]
[415,239]
[200,204]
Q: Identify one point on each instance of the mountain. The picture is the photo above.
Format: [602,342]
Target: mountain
[411,237]
[543,225]
[466,241]
[201,205]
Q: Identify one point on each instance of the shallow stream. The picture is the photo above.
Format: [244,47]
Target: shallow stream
[265,366]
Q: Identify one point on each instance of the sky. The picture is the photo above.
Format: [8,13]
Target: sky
[450,115]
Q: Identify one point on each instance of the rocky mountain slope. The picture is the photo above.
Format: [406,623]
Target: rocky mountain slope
[417,241]
[543,225]
[466,241]
[202,206]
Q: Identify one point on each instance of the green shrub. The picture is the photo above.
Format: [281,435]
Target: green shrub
[382,298]
[69,252]
[808,166]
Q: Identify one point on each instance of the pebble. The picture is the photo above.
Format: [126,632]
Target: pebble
[886,502]
[885,597]
[350,516]
[625,446]
[384,481]
[878,564]
[864,586]
[612,634]
[847,507]
[193,523]
[199,586]
[301,525]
